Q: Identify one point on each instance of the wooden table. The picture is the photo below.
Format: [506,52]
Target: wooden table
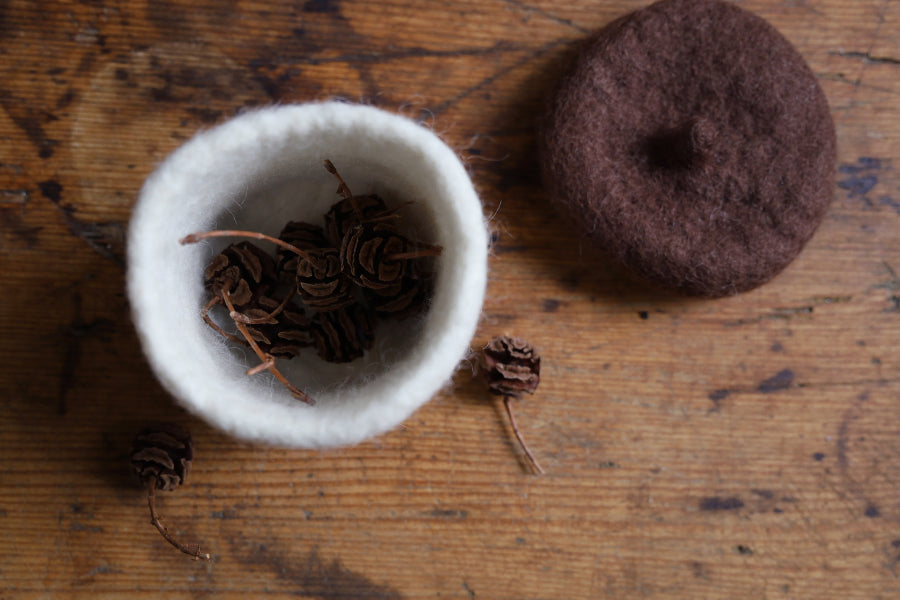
[747,447]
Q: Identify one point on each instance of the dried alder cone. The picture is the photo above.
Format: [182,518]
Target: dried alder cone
[161,457]
[512,367]
[326,286]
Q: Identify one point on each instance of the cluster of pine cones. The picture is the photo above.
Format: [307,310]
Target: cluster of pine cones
[326,287]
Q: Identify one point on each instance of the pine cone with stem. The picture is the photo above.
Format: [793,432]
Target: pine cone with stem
[342,216]
[243,270]
[512,366]
[280,329]
[305,236]
[321,282]
[374,255]
[161,456]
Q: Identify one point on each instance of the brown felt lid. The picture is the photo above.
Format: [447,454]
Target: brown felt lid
[691,142]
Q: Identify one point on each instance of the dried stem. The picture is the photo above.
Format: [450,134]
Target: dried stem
[260,367]
[265,358]
[239,316]
[193,238]
[205,314]
[515,428]
[344,189]
[425,251]
[193,550]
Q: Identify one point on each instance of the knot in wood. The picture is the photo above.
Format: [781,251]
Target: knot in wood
[342,216]
[242,270]
[161,456]
[343,335]
[512,366]
[321,282]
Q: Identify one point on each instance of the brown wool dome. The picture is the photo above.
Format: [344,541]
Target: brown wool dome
[691,142]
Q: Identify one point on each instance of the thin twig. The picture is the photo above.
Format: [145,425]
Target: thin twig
[205,314]
[268,319]
[515,428]
[344,189]
[426,251]
[193,238]
[260,367]
[226,296]
[192,550]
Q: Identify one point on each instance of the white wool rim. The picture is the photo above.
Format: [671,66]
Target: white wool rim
[256,171]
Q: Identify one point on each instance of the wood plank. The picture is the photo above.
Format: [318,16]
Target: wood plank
[737,448]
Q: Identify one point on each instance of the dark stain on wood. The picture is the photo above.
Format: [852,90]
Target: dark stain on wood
[224,515]
[447,513]
[316,577]
[716,397]
[782,380]
[892,286]
[745,550]
[819,456]
[11,222]
[205,115]
[551,305]
[861,178]
[643,315]
[66,99]
[719,503]
[322,6]
[872,511]
[73,336]
[30,122]
[79,526]
[51,190]
[107,238]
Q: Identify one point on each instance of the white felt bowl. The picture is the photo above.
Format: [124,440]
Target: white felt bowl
[258,171]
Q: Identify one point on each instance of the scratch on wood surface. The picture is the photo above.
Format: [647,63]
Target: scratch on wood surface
[867,57]
[534,54]
[543,13]
[499,47]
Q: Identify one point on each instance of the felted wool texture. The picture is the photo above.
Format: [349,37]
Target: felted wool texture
[692,143]
[258,171]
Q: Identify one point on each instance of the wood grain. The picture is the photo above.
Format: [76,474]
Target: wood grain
[739,448]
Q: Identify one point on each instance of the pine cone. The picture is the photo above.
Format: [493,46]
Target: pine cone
[282,336]
[366,255]
[343,335]
[305,236]
[512,366]
[243,270]
[321,282]
[342,217]
[161,456]
[401,300]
